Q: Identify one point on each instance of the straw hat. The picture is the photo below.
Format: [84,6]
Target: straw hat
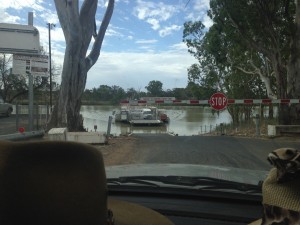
[256,222]
[126,213]
[284,195]
[54,182]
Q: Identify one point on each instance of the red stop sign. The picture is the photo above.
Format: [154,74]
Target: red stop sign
[218,101]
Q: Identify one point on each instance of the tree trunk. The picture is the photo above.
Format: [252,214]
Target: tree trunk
[79,28]
[293,68]
[271,111]
[281,81]
[234,112]
[272,45]
[67,110]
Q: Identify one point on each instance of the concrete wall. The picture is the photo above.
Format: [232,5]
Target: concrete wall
[61,134]
[278,130]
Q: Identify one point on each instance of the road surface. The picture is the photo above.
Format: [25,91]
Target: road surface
[240,152]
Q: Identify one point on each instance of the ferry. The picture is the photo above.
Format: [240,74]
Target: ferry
[136,115]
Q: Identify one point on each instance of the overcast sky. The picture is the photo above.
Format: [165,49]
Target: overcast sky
[143,41]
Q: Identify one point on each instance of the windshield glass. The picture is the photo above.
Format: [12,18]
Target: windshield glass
[173,88]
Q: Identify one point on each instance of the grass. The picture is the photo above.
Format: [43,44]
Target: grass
[245,128]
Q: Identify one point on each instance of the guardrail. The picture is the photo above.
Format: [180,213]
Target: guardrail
[22,136]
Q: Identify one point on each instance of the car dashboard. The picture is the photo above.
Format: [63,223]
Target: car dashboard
[184,207]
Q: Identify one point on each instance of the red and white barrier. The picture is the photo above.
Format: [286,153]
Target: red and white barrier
[207,102]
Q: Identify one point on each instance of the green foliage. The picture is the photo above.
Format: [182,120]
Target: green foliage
[154,88]
[105,93]
[245,49]
[242,32]
[263,29]
[132,93]
[114,94]
[192,35]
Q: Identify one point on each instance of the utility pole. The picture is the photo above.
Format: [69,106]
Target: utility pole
[50,26]
[30,96]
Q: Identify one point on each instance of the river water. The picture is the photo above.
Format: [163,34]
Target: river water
[184,120]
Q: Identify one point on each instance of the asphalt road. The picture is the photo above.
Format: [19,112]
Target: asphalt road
[241,152]
[248,153]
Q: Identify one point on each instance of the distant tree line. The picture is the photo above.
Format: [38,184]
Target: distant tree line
[114,94]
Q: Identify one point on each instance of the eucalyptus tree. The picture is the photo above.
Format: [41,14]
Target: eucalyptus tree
[259,38]
[272,29]
[79,27]
[210,48]
[207,73]
[218,56]
[202,85]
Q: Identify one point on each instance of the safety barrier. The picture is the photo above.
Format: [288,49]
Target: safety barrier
[207,102]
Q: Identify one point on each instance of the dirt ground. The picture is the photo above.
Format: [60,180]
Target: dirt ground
[119,150]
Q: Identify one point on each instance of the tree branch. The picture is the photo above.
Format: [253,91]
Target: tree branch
[94,54]
[87,21]
[68,14]
[264,78]
[245,71]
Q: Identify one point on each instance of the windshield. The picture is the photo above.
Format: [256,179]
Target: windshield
[173,88]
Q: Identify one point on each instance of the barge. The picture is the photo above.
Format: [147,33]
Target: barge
[134,115]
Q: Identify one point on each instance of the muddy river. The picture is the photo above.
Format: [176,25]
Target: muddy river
[187,120]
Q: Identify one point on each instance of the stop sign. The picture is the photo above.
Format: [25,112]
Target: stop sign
[218,101]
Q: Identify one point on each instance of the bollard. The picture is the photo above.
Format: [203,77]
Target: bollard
[109,125]
[257,125]
[37,116]
[17,116]
[30,99]
[222,128]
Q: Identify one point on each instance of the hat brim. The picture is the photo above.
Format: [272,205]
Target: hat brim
[256,222]
[126,213]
